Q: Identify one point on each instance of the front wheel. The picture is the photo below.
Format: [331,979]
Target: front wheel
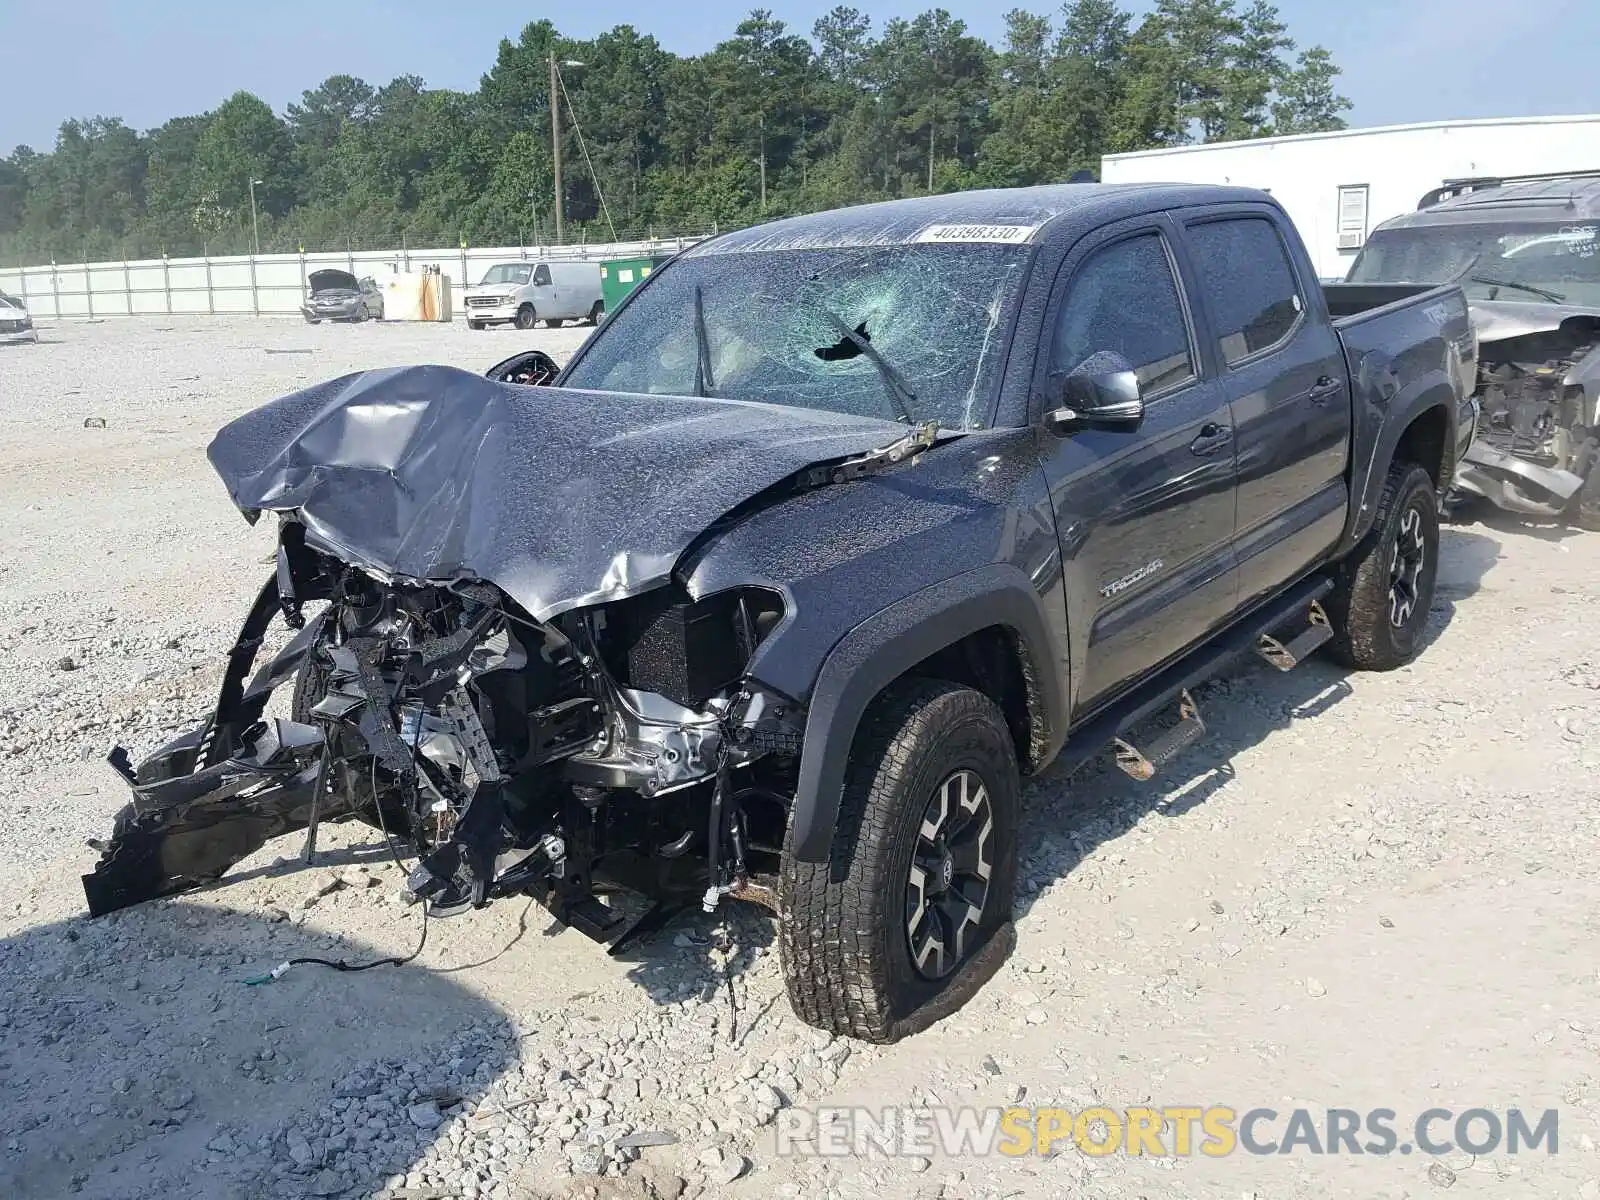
[922,870]
[526,317]
[1383,591]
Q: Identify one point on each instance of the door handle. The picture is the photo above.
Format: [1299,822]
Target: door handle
[1325,388]
[1213,437]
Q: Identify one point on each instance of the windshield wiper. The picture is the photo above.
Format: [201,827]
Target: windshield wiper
[1487,281]
[902,395]
[703,383]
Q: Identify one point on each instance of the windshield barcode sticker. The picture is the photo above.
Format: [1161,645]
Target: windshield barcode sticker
[976,233]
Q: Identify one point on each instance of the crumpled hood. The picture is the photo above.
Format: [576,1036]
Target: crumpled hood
[1496,320]
[559,498]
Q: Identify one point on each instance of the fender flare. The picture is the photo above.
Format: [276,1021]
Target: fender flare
[888,644]
[1431,390]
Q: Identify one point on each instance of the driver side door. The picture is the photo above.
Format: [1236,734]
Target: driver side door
[1145,515]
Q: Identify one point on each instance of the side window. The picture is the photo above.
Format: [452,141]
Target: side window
[541,276]
[1125,299]
[1248,284]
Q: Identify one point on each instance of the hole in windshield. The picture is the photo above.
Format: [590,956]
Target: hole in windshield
[845,347]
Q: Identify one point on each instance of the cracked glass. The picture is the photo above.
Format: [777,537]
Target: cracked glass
[787,327]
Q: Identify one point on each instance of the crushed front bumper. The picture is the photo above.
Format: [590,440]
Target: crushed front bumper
[214,795]
[1514,483]
[186,827]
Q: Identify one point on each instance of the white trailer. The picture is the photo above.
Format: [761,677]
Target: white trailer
[1338,186]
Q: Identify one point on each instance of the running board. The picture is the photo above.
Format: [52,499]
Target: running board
[1286,657]
[1143,764]
[1115,719]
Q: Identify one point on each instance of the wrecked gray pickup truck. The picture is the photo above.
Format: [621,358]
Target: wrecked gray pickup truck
[836,528]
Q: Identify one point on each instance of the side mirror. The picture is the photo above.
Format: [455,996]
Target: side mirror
[534,368]
[1101,393]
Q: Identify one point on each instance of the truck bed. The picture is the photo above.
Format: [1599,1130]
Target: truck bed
[1401,342]
[1346,301]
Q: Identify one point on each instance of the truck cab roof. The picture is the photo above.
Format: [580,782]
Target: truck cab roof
[1018,216]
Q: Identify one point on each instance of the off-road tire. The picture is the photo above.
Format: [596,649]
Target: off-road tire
[1365,637]
[310,685]
[526,318]
[842,934]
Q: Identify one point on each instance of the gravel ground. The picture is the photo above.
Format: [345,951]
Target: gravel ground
[1359,891]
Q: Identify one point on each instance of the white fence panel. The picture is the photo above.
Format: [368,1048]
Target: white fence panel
[147,289]
[266,284]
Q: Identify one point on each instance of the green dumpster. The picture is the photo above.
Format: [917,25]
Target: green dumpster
[619,276]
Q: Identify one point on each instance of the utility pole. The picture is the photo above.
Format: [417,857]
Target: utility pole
[555,141]
[255,225]
[762,126]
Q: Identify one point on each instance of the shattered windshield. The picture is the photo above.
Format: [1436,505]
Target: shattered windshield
[1540,262]
[508,273]
[871,331]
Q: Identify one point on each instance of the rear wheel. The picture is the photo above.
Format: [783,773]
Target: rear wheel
[1383,591]
[597,312]
[922,870]
[526,317]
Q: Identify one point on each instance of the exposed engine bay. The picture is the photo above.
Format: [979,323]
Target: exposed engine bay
[610,748]
[1538,432]
[495,657]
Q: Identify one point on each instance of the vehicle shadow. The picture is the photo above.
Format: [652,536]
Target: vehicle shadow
[1068,815]
[721,946]
[137,1060]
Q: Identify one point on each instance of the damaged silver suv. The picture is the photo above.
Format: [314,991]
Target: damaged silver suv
[1526,252]
[834,530]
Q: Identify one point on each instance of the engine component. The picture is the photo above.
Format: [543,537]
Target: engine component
[515,755]
[1533,421]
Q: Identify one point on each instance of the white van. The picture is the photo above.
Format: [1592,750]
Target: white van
[520,293]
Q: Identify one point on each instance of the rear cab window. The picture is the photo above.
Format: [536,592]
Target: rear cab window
[1249,285]
[1124,299]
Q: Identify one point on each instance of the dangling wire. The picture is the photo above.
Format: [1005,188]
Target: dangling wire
[584,146]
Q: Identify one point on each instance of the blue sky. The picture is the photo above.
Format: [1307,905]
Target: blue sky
[1404,60]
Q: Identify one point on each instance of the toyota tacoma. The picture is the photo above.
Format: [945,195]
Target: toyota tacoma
[839,527]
